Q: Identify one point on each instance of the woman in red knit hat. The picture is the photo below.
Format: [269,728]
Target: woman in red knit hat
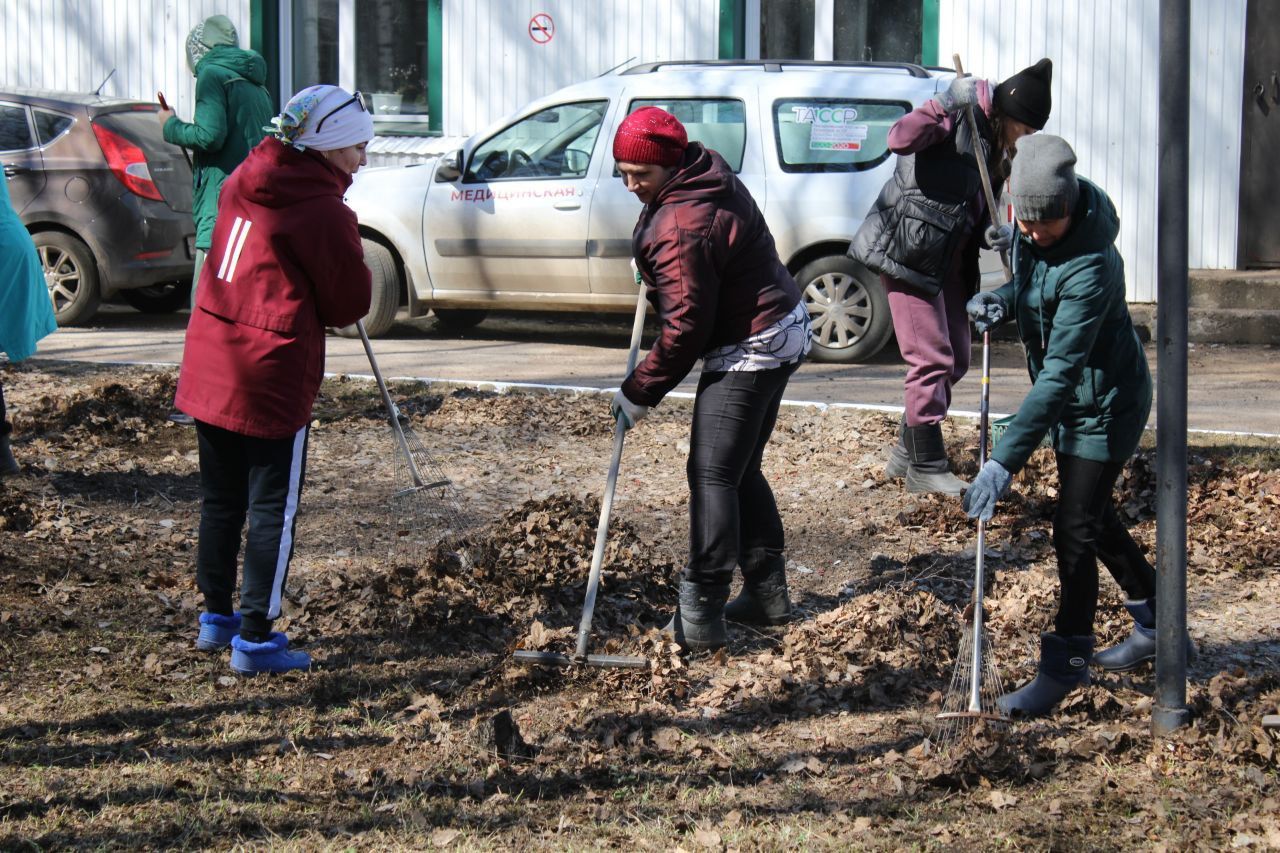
[724,297]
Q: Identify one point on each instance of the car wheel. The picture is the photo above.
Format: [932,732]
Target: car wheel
[159,298]
[71,276]
[848,309]
[458,319]
[385,298]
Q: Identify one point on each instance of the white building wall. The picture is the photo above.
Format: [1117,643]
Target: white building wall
[1105,103]
[491,65]
[73,44]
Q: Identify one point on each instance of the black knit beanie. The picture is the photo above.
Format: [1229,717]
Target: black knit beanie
[1025,95]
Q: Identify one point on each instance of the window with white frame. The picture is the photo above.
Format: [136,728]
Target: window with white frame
[380,52]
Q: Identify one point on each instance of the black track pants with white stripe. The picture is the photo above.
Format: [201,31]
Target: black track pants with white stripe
[257,479]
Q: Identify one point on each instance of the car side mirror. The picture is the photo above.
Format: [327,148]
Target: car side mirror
[450,168]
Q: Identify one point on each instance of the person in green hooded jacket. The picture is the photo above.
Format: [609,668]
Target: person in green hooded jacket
[233,109]
[1091,392]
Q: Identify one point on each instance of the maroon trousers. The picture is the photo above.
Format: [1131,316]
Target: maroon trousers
[934,339]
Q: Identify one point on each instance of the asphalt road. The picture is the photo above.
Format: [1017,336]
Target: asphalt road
[1230,388]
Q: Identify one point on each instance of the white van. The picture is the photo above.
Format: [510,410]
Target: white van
[531,215]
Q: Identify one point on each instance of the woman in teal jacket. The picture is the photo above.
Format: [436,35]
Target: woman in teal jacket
[1091,392]
[26,314]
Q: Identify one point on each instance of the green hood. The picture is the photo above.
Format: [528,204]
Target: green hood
[241,63]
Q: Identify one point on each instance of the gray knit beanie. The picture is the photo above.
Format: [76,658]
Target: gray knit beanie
[1043,182]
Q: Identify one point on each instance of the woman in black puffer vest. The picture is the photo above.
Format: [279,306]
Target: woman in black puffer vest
[923,234]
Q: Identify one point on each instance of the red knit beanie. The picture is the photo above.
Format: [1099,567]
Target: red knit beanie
[650,135]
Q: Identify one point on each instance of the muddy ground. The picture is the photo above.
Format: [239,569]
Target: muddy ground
[416,730]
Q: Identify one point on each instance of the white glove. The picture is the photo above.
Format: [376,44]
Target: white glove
[628,412]
[999,237]
[963,92]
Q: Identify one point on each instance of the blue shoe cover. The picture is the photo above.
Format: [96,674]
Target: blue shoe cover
[273,655]
[216,631]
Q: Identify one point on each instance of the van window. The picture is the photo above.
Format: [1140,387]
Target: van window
[15,132]
[829,135]
[553,143]
[718,123]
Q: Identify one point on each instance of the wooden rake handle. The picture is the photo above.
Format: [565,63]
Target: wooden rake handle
[982,168]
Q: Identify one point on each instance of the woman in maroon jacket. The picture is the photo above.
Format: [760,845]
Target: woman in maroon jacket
[723,296]
[285,263]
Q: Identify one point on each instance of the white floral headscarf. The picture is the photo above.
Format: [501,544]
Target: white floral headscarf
[344,118]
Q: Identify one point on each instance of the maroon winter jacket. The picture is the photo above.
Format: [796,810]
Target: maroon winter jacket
[715,279]
[285,263]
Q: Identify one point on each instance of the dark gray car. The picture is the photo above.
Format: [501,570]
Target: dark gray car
[106,199]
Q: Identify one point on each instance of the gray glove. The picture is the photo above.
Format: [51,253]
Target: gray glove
[999,237]
[626,411]
[989,486]
[963,92]
[987,310]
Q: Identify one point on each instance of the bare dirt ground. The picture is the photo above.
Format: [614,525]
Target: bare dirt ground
[416,730]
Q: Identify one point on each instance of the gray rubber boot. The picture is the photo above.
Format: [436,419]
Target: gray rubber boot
[763,599]
[899,460]
[1140,646]
[1064,666]
[699,620]
[8,465]
[930,471]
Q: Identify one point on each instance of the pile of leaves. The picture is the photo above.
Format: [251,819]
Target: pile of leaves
[882,651]
[527,568]
[124,408]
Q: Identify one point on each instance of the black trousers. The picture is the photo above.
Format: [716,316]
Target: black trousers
[1087,528]
[732,511]
[260,480]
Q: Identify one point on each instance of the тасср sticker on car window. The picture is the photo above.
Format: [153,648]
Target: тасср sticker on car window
[831,128]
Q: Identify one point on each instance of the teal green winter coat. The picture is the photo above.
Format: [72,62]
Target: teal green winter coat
[232,108]
[1091,388]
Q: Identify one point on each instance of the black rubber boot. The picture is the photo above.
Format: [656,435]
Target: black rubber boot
[930,471]
[1064,666]
[763,599]
[1140,646]
[8,465]
[699,620]
[899,459]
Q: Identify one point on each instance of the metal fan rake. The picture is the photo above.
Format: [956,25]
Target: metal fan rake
[423,505]
[970,702]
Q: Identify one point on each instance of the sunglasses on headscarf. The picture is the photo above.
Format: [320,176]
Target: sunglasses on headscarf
[356,99]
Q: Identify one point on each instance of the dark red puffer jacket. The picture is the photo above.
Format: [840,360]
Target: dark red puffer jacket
[715,279]
[286,262]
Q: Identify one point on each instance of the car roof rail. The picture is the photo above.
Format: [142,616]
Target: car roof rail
[776,65]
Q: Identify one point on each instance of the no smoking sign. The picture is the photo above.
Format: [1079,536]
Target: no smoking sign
[541,28]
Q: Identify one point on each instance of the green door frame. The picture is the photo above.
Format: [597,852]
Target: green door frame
[733,25]
[264,37]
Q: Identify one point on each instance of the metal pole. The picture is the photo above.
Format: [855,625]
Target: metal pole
[1170,710]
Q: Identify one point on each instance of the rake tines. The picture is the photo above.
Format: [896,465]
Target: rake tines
[424,504]
[969,705]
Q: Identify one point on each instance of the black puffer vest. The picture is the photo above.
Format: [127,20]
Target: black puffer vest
[920,218]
